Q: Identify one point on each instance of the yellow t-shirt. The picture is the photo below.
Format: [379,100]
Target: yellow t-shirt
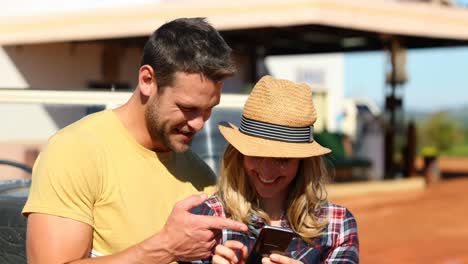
[95,172]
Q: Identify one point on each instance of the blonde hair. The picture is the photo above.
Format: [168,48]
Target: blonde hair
[306,195]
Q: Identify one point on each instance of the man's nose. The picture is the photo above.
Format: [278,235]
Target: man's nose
[196,123]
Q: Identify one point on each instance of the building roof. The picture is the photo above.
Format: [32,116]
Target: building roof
[309,25]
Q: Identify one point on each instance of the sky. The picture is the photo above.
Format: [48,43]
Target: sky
[461,2]
[437,78]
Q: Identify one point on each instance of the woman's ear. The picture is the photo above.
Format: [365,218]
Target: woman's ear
[147,80]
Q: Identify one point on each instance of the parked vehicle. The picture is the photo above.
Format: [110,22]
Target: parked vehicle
[13,195]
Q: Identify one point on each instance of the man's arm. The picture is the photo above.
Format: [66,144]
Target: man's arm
[53,239]
[57,240]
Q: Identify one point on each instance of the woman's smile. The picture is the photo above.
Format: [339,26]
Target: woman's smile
[268,181]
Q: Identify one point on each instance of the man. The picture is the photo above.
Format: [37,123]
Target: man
[104,186]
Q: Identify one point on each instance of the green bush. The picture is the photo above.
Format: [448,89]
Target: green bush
[429,151]
[441,132]
[459,150]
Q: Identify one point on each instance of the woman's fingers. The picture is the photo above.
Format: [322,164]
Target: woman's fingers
[222,251]
[279,259]
[234,244]
[217,259]
[226,253]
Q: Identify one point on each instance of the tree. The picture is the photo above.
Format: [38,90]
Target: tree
[440,131]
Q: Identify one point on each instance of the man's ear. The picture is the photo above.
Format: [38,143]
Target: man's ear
[147,80]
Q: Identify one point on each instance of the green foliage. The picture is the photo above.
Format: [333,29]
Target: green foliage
[465,134]
[429,151]
[440,131]
[459,150]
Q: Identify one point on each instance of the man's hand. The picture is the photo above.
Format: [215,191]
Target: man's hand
[191,237]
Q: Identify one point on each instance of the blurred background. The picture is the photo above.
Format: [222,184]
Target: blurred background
[388,77]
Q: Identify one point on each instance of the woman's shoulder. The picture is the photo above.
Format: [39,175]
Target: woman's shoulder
[340,235]
[341,225]
[334,212]
[212,206]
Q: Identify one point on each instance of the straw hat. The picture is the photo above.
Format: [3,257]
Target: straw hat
[277,121]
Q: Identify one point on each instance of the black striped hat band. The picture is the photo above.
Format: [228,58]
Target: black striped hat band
[276,132]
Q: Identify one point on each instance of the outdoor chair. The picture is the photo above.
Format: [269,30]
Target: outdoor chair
[343,165]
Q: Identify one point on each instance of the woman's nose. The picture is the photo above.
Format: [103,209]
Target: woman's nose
[268,167]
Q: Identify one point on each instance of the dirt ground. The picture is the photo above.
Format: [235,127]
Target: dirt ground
[428,226]
[448,165]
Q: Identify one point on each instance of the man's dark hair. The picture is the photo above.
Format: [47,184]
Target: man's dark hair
[188,45]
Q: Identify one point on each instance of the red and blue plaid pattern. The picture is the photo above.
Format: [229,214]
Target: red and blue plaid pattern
[338,242]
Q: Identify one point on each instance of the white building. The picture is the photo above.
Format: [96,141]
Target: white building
[325,75]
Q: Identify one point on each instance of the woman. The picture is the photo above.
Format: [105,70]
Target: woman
[273,173]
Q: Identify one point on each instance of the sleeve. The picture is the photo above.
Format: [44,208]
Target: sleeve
[203,209]
[346,246]
[65,179]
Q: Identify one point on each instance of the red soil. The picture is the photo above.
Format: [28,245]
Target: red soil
[429,226]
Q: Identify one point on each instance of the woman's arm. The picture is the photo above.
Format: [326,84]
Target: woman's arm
[346,246]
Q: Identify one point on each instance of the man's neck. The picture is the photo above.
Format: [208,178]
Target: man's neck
[132,116]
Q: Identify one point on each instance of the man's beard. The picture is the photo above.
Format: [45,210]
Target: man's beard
[157,133]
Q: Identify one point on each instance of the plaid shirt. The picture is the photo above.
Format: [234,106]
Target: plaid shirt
[338,242]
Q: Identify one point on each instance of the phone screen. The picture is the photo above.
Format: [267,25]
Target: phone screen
[271,239]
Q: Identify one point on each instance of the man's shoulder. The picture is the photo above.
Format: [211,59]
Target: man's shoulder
[87,128]
[76,138]
[92,123]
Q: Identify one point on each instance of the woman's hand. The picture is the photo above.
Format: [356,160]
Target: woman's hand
[279,259]
[225,254]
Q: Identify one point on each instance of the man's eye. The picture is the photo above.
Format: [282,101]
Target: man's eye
[185,109]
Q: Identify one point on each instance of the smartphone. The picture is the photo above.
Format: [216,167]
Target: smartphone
[271,239]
